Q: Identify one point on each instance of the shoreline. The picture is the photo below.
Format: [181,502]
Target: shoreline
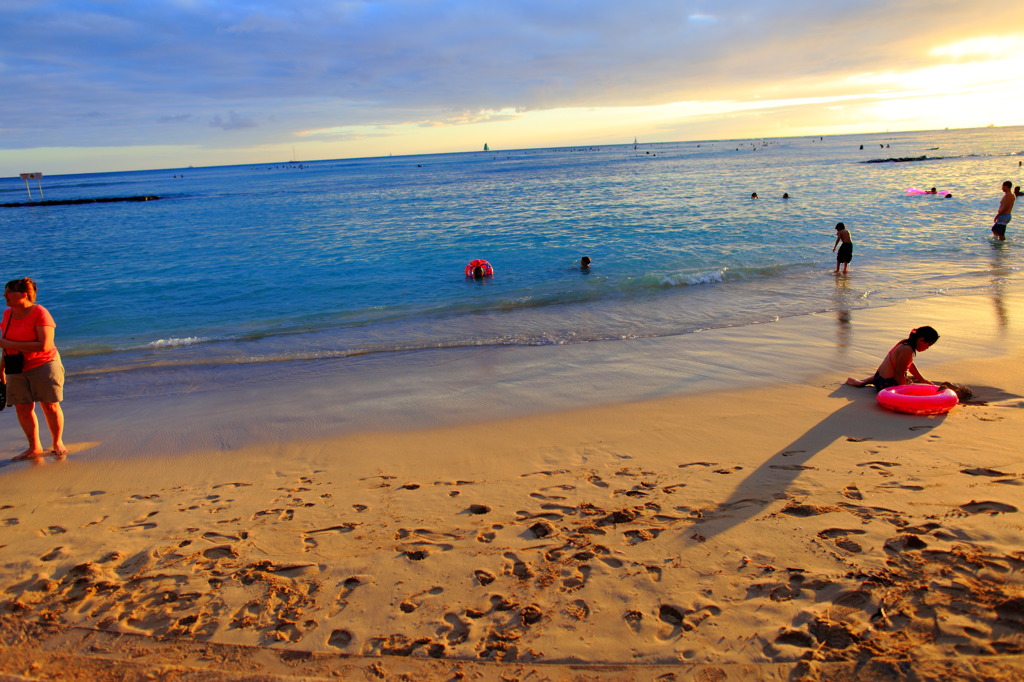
[227,408]
[786,527]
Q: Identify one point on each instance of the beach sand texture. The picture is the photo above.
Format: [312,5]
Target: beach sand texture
[794,531]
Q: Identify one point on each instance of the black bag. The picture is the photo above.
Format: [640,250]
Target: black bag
[14,363]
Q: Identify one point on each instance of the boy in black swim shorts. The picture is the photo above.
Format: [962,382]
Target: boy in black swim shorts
[845,254]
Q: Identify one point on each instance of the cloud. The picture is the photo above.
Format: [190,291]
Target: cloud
[280,68]
[233,121]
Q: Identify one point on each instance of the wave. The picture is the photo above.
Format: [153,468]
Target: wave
[556,306]
[175,343]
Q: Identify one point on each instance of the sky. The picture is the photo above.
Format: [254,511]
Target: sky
[108,85]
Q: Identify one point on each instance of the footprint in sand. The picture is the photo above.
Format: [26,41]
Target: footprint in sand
[516,567]
[634,537]
[902,543]
[682,619]
[610,561]
[633,619]
[483,577]
[578,609]
[214,536]
[981,471]
[901,486]
[542,529]
[839,537]
[987,507]
[139,526]
[53,554]
[577,581]
[340,639]
[221,552]
[852,492]
[545,474]
[458,630]
[697,464]
[794,509]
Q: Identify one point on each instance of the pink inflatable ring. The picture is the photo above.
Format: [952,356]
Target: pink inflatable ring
[918,399]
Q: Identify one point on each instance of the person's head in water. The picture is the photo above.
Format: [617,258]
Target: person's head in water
[585,262]
[478,272]
[921,338]
[785,195]
[753,195]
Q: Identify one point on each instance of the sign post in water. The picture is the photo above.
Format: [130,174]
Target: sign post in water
[38,177]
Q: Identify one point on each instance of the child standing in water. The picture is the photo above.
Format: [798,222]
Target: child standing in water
[845,254]
[900,360]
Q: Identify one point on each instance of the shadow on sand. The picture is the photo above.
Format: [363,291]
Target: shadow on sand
[770,481]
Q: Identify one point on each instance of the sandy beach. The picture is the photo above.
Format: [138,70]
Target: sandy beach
[769,531]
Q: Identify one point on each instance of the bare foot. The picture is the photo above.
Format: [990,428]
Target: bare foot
[30,453]
[60,450]
[850,381]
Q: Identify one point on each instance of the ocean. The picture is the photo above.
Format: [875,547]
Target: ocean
[241,276]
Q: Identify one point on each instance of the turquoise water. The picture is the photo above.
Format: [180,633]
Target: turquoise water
[266,265]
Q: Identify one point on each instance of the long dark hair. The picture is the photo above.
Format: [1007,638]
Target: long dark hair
[927,333]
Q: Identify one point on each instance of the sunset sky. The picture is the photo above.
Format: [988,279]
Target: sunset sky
[108,85]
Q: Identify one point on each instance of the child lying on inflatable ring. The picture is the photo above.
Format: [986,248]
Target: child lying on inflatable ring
[900,360]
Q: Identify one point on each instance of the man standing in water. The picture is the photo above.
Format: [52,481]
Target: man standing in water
[1003,213]
[845,254]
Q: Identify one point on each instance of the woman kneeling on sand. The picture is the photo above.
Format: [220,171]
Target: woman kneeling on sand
[900,360]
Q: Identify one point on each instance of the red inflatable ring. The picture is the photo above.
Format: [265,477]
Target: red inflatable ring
[918,399]
[481,263]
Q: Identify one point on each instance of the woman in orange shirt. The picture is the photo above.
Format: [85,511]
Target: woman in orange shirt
[31,367]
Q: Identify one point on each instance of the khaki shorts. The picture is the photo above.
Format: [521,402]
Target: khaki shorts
[43,384]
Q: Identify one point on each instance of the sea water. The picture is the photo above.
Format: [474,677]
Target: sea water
[259,271]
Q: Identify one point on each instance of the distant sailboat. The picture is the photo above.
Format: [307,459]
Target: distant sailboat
[486,148]
[634,144]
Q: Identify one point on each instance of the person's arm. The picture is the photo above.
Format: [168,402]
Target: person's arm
[917,375]
[836,244]
[43,342]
